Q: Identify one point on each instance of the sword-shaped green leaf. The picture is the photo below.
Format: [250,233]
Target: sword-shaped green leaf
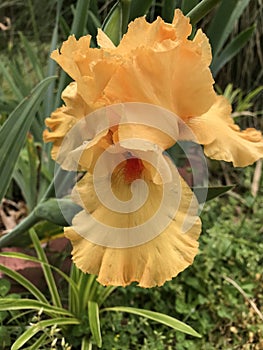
[41,326]
[232,49]
[13,132]
[94,322]
[223,22]
[158,317]
[205,194]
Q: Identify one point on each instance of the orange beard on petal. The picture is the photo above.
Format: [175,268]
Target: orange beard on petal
[133,169]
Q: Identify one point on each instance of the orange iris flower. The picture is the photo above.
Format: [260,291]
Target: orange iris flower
[154,64]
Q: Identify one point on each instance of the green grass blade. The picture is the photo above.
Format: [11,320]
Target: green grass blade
[52,66]
[112,24]
[86,344]
[39,342]
[232,49]
[22,304]
[46,269]
[33,20]
[18,78]
[168,10]
[26,173]
[91,288]
[107,291]
[9,79]
[205,194]
[94,322]
[158,317]
[33,169]
[80,18]
[201,10]
[24,282]
[83,288]
[33,259]
[139,8]
[41,326]
[13,132]
[73,298]
[125,9]
[223,22]
[34,60]
[246,102]
[187,5]
[93,23]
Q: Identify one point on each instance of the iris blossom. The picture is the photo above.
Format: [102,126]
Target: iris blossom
[124,233]
[154,64]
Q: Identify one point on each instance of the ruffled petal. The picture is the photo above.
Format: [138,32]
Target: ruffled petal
[59,124]
[65,57]
[202,46]
[157,35]
[178,80]
[152,262]
[63,119]
[91,87]
[223,139]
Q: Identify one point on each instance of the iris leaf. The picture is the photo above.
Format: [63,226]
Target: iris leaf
[205,194]
[112,25]
[140,8]
[158,317]
[94,322]
[232,49]
[40,326]
[201,10]
[13,132]
[224,21]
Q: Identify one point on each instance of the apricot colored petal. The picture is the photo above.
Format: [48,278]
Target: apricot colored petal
[59,124]
[223,139]
[89,154]
[148,122]
[151,263]
[75,104]
[157,35]
[145,132]
[64,118]
[91,88]
[104,41]
[181,24]
[177,80]
[202,45]
[65,56]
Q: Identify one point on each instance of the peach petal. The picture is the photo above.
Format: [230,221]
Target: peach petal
[223,139]
[178,80]
[65,56]
[104,41]
[150,264]
[157,35]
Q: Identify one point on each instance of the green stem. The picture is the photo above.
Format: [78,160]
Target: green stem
[202,9]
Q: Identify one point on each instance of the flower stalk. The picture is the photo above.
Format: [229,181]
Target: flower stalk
[202,9]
